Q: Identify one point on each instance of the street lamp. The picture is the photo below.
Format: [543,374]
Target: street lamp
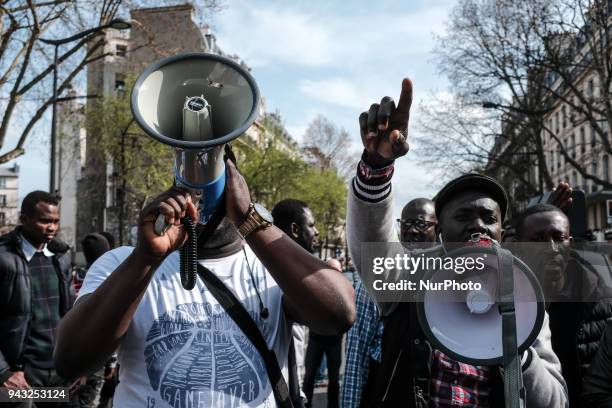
[117,24]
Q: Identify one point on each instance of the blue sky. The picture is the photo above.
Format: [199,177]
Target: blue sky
[336,58]
[321,57]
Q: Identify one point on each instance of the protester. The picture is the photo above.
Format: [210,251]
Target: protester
[577,307]
[181,347]
[597,384]
[412,373]
[295,219]
[418,221]
[34,295]
[363,341]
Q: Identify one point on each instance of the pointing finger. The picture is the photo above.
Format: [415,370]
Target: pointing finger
[405,100]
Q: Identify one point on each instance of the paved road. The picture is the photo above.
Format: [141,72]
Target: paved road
[320,398]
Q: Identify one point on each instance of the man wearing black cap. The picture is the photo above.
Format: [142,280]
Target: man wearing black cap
[412,372]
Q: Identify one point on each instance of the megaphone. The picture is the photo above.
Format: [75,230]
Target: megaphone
[468,322]
[196,103]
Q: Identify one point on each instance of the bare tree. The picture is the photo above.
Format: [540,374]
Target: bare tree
[25,63]
[328,147]
[529,58]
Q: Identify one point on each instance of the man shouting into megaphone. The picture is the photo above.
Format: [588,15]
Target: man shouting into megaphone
[183,348]
[412,372]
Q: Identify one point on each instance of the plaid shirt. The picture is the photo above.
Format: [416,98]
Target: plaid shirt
[455,384]
[38,348]
[363,341]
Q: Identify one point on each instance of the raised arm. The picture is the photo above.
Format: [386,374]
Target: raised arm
[314,293]
[370,203]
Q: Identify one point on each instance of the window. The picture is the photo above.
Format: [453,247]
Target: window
[582,141]
[557,123]
[593,138]
[591,89]
[2,182]
[606,168]
[2,219]
[564,117]
[120,50]
[572,146]
[574,179]
[2,200]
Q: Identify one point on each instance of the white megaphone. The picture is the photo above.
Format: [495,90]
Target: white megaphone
[196,103]
[471,323]
[467,324]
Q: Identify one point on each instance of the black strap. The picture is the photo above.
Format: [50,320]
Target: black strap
[245,322]
[514,392]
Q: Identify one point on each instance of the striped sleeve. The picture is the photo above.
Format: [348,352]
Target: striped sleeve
[372,185]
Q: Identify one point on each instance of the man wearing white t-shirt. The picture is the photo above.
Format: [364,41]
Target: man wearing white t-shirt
[179,348]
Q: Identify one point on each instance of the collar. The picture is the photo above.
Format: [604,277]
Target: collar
[29,250]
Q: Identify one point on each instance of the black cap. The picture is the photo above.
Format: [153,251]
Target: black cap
[472,182]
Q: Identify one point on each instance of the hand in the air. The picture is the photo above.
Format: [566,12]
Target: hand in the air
[384,128]
[561,196]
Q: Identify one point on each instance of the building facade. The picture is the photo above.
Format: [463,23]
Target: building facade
[572,119]
[9,198]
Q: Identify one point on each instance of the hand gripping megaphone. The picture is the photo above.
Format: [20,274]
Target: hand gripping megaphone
[494,315]
[196,103]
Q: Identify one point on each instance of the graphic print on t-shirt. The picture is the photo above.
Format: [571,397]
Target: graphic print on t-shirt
[197,356]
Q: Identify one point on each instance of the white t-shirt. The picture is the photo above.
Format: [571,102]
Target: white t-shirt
[182,350]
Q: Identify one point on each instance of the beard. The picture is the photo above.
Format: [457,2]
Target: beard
[224,240]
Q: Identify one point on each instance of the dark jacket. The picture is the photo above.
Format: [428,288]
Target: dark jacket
[403,377]
[408,378]
[578,324]
[597,384]
[16,297]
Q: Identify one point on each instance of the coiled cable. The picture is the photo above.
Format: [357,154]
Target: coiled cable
[188,255]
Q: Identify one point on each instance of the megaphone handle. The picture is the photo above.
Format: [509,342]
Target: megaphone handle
[161,226]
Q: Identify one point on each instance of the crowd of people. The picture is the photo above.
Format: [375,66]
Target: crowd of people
[122,330]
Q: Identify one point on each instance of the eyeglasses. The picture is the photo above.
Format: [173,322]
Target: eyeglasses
[419,224]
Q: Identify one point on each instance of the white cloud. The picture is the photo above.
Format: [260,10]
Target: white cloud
[336,60]
[288,33]
[337,91]
[264,35]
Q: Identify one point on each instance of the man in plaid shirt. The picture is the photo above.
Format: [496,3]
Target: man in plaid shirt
[412,373]
[34,295]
